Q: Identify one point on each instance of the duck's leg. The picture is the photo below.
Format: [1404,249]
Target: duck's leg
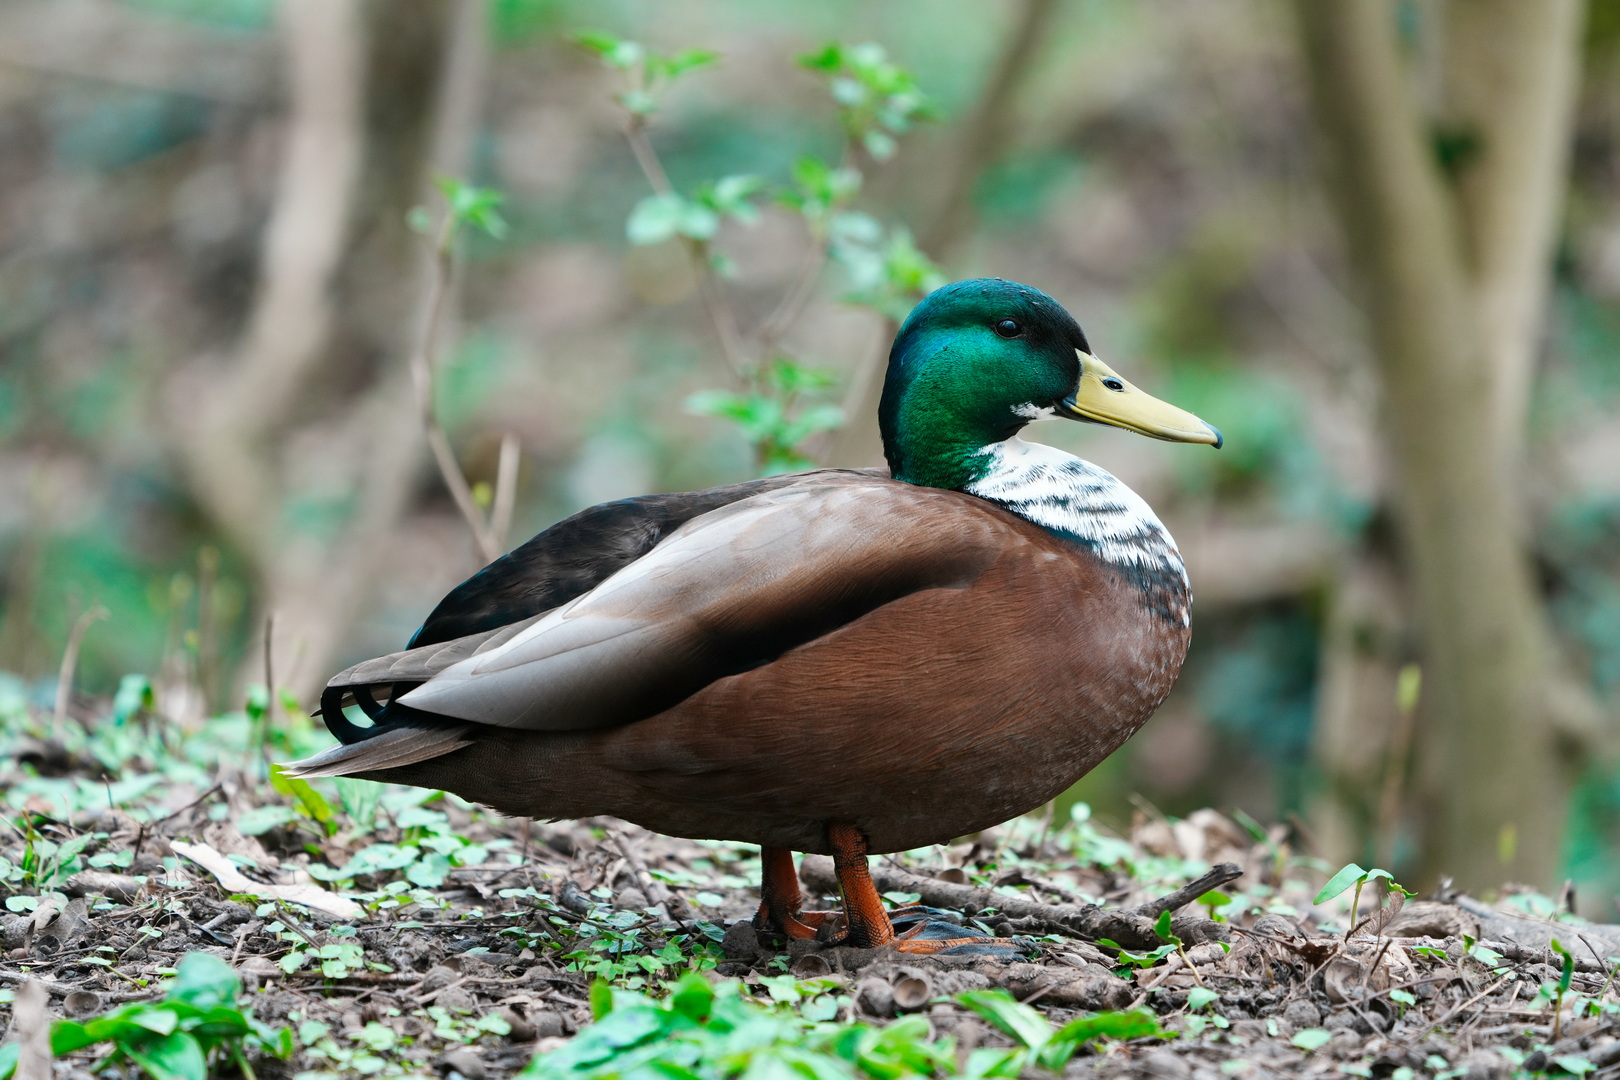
[781,904]
[868,923]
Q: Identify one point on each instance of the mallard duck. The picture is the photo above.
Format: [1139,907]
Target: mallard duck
[837,661]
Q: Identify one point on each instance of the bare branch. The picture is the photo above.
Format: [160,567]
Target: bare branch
[990,129]
[423,358]
[506,478]
[708,285]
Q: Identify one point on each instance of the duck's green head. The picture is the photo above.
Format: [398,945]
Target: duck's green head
[979,359]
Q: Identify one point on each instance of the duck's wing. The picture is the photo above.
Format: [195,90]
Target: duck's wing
[727,592]
[576,555]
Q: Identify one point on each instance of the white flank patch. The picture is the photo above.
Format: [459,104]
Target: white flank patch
[1069,495]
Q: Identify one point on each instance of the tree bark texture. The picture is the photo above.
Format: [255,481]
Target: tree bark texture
[1432,260]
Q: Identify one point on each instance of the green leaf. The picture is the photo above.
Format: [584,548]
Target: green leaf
[68,1036]
[1013,1017]
[472,206]
[655,219]
[204,982]
[1339,882]
[829,59]
[313,802]
[261,819]
[615,52]
[1408,685]
[134,695]
[9,1053]
[601,999]
[1310,1039]
[880,144]
[177,1056]
[1161,927]
[672,67]
[430,872]
[1568,972]
[1199,996]
[1577,1066]
[693,997]
[1130,1024]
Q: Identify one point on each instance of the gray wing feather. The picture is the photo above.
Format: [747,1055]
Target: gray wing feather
[724,593]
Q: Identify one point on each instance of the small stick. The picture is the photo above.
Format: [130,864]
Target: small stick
[1218,875]
[70,661]
[422,364]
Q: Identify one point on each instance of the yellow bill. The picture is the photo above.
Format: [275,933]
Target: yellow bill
[1105,398]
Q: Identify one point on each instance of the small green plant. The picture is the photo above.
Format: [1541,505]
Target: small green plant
[1352,876]
[46,864]
[336,959]
[1040,1046]
[1137,959]
[1213,901]
[197,1022]
[1565,976]
[705,1030]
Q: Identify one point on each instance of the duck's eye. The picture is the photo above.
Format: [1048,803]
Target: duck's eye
[1009,328]
[1113,383]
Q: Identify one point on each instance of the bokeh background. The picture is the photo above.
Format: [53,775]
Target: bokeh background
[209,295]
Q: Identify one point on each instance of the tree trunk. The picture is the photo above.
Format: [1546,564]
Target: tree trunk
[1495,772]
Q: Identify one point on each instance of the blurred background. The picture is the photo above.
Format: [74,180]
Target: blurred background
[211,293]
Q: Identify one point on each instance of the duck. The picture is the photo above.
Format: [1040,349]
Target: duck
[845,662]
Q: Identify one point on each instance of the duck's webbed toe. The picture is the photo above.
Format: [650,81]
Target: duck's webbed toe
[932,931]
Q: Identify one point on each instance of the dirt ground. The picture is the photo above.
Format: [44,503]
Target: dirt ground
[397,932]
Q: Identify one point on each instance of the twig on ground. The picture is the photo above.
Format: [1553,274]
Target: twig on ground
[1218,875]
[1132,928]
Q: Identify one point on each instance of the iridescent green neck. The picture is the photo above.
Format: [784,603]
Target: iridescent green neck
[936,429]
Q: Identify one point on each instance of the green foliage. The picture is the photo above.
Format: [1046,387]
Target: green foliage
[662,217]
[426,850]
[648,74]
[616,946]
[377,1048]
[767,416]
[1039,1044]
[1350,876]
[707,1031]
[197,1021]
[876,101]
[45,865]
[466,207]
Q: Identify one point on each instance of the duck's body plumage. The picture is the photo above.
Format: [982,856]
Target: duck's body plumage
[838,647]
[836,661]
